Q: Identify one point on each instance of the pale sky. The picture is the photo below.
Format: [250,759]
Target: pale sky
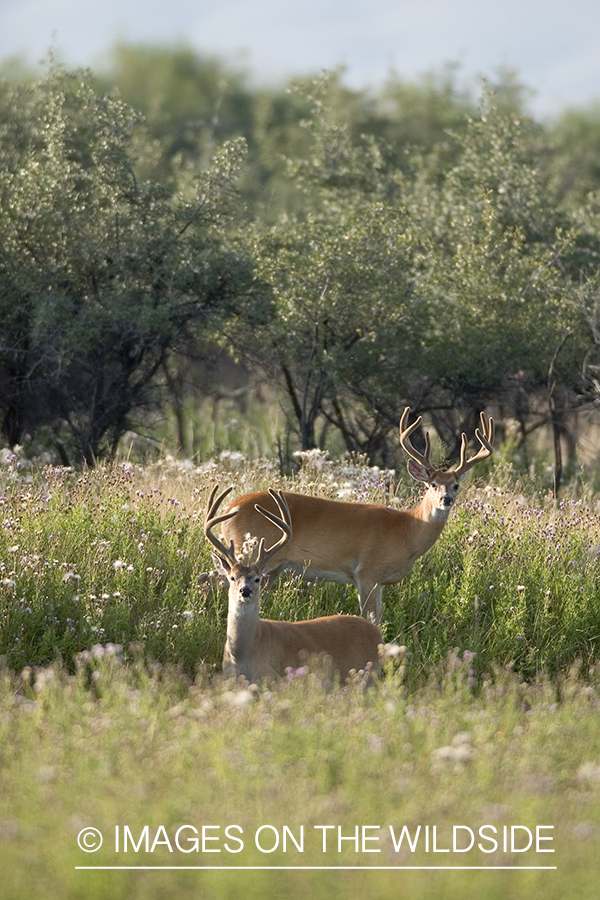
[553,44]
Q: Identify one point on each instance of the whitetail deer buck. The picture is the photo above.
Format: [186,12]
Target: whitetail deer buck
[361,543]
[261,648]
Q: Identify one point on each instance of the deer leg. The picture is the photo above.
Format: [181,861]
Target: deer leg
[369,598]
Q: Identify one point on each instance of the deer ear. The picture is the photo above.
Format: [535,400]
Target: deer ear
[417,471]
[220,564]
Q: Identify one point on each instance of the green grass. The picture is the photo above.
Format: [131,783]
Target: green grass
[116,745]
[115,554]
[113,711]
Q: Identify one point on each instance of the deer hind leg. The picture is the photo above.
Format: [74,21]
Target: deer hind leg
[369,598]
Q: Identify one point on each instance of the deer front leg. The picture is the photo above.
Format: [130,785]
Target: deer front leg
[369,598]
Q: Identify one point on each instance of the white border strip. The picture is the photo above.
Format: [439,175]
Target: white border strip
[319,868]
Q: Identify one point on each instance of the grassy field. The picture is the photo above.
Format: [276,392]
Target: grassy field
[114,715]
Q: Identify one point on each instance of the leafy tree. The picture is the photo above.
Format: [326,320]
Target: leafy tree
[103,271]
[496,253]
[574,155]
[192,103]
[338,269]
[444,287]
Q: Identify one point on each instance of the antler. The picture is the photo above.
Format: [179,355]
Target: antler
[283,522]
[423,458]
[227,554]
[485,438]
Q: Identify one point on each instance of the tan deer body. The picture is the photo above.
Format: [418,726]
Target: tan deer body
[263,648]
[258,648]
[358,543]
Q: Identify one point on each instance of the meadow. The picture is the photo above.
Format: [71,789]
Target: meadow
[481,740]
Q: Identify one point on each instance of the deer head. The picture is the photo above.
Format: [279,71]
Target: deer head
[443,484]
[244,580]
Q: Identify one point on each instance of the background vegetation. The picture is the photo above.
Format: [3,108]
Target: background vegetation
[178,244]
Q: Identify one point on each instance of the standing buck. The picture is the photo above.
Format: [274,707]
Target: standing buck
[261,648]
[360,543]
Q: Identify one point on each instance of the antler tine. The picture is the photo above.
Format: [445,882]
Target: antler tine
[211,520]
[405,431]
[485,436]
[283,522]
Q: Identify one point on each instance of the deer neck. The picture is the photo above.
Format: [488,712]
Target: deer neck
[242,628]
[431,514]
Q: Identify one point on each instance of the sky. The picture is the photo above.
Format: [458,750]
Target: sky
[554,45]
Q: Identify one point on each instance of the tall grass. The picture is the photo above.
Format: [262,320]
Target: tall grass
[125,745]
[113,711]
[115,554]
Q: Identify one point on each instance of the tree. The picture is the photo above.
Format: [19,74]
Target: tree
[192,102]
[574,154]
[445,287]
[103,271]
[500,270]
[338,274]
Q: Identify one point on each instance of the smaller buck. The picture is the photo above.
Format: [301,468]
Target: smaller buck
[262,648]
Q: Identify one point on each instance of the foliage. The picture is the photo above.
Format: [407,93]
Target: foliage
[115,554]
[332,268]
[103,270]
[116,746]
[574,160]
[446,287]
[494,259]
[399,247]
[192,104]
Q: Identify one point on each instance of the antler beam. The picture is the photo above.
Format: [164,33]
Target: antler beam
[423,459]
[485,436]
[226,554]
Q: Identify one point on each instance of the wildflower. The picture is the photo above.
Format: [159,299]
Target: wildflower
[458,753]
[589,772]
[238,699]
[233,458]
[248,547]
[70,576]
[375,743]
[392,651]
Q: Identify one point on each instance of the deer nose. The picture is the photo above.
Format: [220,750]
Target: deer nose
[246,591]
[447,500]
